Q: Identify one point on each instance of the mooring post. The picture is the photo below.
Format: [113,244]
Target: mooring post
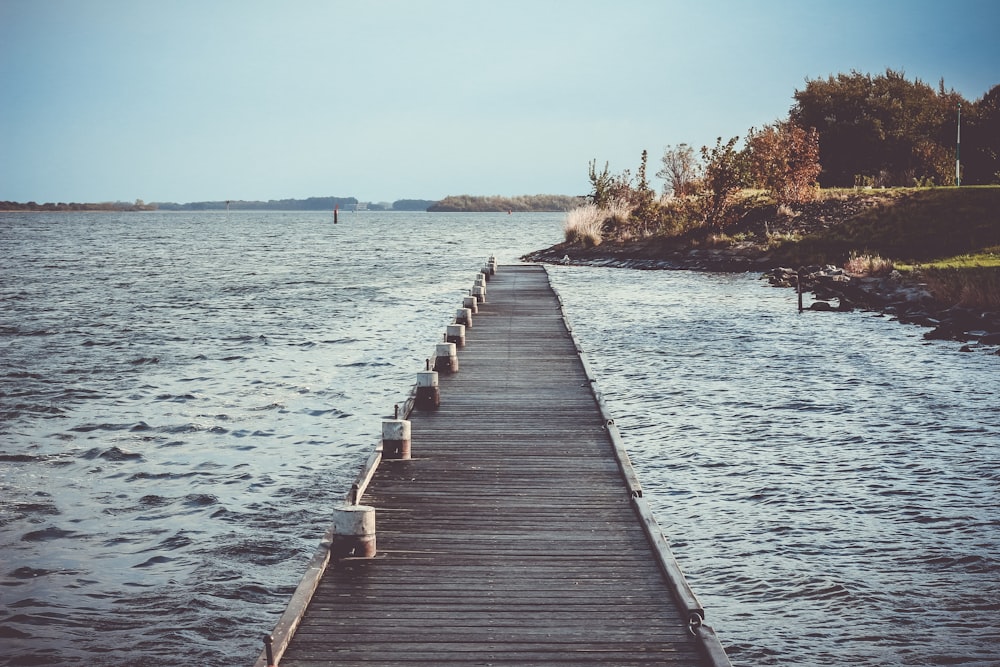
[446,358]
[455,333]
[353,531]
[395,439]
[269,650]
[798,288]
[479,291]
[428,392]
[492,263]
[464,316]
[471,303]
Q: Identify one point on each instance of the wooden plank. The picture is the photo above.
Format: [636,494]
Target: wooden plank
[512,537]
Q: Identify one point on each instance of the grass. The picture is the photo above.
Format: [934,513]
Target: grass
[971,279]
[949,237]
[588,224]
[584,226]
[868,265]
[973,287]
[986,258]
[915,227]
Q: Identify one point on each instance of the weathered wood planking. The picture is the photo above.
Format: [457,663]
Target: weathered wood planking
[514,536]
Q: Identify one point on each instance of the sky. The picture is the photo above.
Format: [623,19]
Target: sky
[195,100]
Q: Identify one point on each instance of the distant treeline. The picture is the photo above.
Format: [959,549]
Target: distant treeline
[310,204]
[101,206]
[412,204]
[525,203]
[521,204]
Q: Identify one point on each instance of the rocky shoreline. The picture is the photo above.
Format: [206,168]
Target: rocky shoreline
[902,298]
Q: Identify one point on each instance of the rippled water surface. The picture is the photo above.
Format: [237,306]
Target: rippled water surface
[828,482]
[182,396]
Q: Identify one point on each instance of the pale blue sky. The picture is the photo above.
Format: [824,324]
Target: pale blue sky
[177,100]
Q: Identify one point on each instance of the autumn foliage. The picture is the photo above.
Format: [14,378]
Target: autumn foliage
[847,130]
[784,159]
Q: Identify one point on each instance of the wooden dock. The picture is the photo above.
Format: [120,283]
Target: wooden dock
[516,534]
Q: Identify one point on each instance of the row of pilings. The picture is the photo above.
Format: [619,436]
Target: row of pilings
[353,530]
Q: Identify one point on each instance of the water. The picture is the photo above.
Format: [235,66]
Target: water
[828,482]
[183,395]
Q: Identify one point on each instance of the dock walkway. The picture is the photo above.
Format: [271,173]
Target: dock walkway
[515,535]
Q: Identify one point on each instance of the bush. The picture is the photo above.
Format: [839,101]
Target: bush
[584,225]
[784,159]
[724,177]
[868,265]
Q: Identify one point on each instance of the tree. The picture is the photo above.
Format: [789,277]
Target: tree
[724,177]
[680,171]
[784,159]
[980,139]
[642,196]
[601,184]
[881,130]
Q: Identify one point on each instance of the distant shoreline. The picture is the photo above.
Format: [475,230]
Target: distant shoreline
[450,204]
[109,207]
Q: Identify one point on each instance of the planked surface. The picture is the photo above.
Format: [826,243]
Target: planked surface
[510,538]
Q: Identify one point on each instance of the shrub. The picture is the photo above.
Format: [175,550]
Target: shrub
[868,265]
[724,177]
[784,159]
[584,225]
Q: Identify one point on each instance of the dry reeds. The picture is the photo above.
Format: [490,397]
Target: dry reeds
[588,224]
[977,287]
[868,265]
[584,226]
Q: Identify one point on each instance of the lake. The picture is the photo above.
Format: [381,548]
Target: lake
[184,394]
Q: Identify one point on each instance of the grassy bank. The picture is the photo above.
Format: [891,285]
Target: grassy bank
[948,238]
[914,227]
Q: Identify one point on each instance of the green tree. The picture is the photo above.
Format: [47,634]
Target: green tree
[980,139]
[600,185]
[881,130]
[642,196]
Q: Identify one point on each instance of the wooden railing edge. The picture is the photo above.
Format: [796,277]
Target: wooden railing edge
[683,593]
[283,631]
[289,620]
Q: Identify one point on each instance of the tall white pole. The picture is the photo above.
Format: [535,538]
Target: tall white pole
[958,149]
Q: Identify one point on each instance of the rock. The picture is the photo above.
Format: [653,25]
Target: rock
[919,317]
[822,306]
[946,331]
[845,306]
